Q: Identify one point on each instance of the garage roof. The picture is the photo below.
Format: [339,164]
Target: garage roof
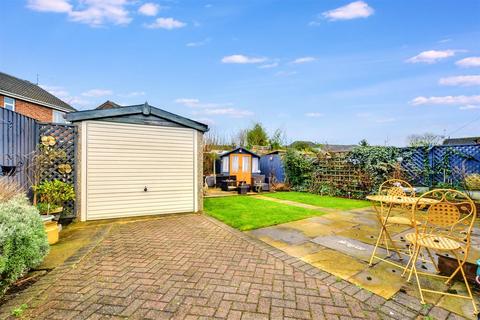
[144,109]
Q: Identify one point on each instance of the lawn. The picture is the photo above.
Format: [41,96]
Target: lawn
[320,201]
[247,213]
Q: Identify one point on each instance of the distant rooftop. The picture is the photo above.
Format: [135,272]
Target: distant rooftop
[25,90]
[108,105]
[460,141]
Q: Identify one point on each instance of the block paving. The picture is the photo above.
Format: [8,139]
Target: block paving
[194,267]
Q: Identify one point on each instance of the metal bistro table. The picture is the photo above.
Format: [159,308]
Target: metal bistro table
[384,210]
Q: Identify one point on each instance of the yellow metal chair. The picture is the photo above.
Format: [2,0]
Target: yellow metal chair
[445,227]
[395,188]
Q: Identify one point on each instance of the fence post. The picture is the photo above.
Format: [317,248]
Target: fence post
[431,163]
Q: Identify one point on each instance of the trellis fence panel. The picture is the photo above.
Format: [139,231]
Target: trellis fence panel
[18,140]
[65,140]
[441,164]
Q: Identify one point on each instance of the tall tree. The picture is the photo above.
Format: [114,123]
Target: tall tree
[278,139]
[257,136]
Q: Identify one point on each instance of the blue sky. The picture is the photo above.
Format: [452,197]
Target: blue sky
[324,70]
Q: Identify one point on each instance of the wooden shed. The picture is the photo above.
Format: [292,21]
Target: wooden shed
[241,163]
[137,160]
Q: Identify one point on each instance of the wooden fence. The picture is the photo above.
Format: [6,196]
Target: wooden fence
[18,140]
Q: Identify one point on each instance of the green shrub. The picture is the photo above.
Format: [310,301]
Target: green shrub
[55,193]
[298,169]
[23,242]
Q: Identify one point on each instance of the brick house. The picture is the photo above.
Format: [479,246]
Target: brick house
[31,100]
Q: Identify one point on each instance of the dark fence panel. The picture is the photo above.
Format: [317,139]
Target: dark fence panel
[441,164]
[18,139]
[272,166]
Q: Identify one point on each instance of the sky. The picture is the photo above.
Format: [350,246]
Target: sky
[322,70]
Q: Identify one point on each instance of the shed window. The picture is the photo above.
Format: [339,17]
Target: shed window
[246,164]
[235,164]
[225,164]
[9,103]
[255,165]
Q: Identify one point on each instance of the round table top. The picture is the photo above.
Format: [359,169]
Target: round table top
[401,199]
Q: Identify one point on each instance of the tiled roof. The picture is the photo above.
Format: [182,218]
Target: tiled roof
[108,105]
[25,90]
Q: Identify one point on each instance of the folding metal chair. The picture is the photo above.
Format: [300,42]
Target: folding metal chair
[445,227]
[391,189]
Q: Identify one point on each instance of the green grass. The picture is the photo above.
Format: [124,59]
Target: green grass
[247,213]
[320,201]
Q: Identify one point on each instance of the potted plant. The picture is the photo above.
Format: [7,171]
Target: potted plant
[53,195]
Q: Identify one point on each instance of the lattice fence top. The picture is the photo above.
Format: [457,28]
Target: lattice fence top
[65,140]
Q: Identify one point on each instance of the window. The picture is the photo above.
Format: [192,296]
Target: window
[246,164]
[255,165]
[58,117]
[9,103]
[234,164]
[225,164]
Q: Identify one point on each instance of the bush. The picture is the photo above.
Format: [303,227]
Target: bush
[23,242]
[298,170]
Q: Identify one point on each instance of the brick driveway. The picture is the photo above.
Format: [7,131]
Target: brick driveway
[189,267]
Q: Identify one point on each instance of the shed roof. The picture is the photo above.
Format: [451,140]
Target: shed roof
[461,141]
[144,109]
[239,150]
[25,90]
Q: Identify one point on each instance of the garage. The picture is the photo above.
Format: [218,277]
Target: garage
[136,161]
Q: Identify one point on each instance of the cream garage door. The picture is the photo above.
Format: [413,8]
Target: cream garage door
[124,160]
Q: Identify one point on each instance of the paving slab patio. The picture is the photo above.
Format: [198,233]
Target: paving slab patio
[194,267]
[341,242]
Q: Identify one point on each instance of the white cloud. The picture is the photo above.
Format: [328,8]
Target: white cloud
[231,112]
[49,5]
[446,100]
[313,114]
[268,65]
[285,73]
[149,9]
[469,62]
[97,93]
[469,107]
[242,59]
[188,102]
[304,60]
[213,109]
[99,12]
[132,94]
[198,43]
[63,94]
[166,23]
[385,120]
[208,121]
[354,10]
[470,80]
[91,12]
[58,92]
[431,56]
[195,103]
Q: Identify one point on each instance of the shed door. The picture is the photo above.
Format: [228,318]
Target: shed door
[124,159]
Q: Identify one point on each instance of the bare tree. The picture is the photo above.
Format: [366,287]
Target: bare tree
[424,140]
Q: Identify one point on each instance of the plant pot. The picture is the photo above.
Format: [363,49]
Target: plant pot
[52,230]
[56,210]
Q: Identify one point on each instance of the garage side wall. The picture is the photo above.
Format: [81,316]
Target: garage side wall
[78,171]
[199,156]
